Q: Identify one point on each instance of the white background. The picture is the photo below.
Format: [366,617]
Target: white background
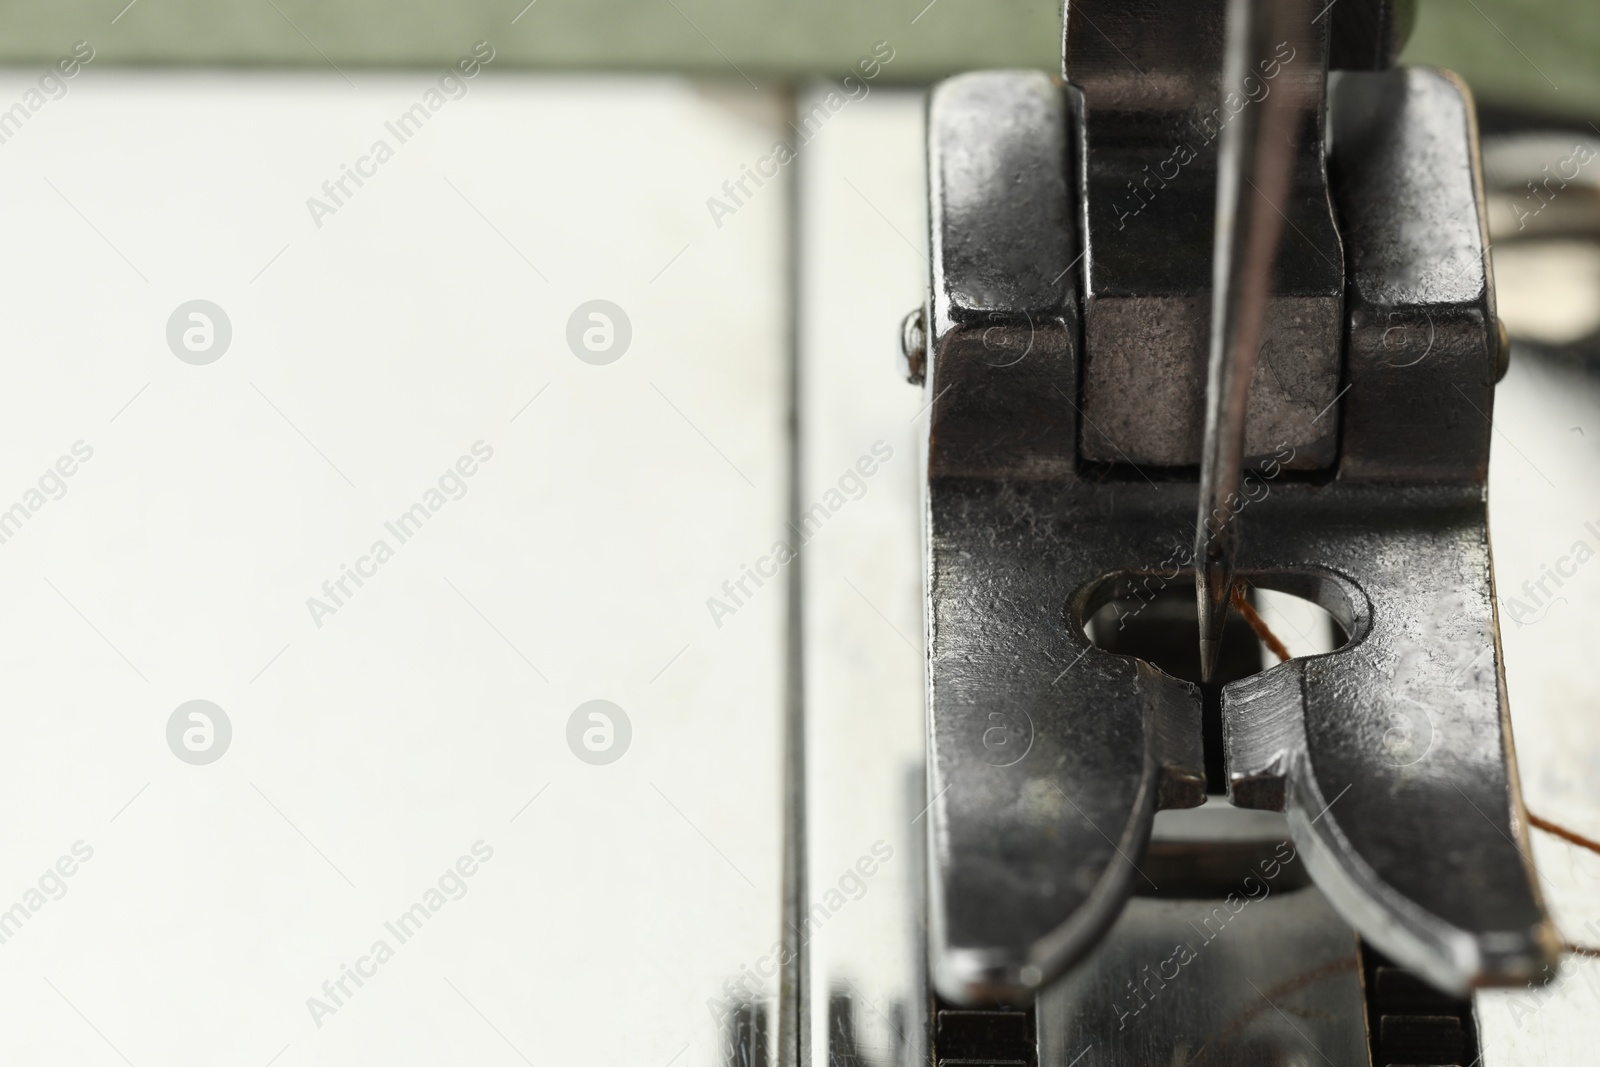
[368,755]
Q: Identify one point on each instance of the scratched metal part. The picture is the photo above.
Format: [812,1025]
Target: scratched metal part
[1392,755]
[1048,757]
[1044,782]
[1419,359]
[1263,978]
[1151,115]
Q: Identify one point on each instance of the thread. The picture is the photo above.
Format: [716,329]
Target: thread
[1253,617]
[1582,842]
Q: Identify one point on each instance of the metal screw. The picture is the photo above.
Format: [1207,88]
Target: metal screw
[1502,352]
[914,347]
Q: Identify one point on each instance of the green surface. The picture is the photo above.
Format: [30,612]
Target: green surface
[1540,54]
[763,40]
[1537,53]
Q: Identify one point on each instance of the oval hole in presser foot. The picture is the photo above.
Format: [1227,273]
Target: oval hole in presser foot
[1161,626]
[1212,850]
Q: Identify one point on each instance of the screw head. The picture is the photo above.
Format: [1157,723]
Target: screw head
[914,347]
[1502,351]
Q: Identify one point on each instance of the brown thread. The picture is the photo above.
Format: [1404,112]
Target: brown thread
[1582,842]
[1257,624]
[1562,832]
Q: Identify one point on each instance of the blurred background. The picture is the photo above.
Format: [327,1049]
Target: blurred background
[571,308]
[1536,54]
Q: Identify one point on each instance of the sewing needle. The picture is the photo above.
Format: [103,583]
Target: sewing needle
[1256,150]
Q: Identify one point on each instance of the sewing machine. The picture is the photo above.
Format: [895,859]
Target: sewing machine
[623,756]
[1142,849]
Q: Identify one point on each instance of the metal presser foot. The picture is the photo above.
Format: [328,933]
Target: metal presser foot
[1109,337]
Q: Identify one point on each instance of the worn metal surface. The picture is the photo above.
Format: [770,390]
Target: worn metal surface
[1152,112]
[1444,889]
[1259,977]
[1421,348]
[1040,791]
[1390,755]
[1003,241]
[1049,757]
